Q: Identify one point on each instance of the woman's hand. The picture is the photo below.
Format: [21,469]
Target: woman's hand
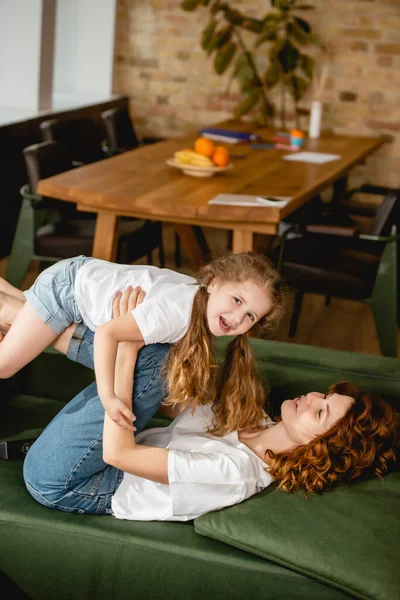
[124,303]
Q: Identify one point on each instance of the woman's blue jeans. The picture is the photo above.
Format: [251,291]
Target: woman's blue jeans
[64,468]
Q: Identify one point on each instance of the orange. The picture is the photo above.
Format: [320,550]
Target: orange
[220,156]
[204,146]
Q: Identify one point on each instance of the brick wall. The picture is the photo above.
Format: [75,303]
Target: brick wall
[173,89]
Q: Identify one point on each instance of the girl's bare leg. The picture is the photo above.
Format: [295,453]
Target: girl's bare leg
[9,309]
[27,338]
[11,290]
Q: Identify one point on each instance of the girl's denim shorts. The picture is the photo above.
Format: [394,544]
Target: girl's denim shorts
[53,294]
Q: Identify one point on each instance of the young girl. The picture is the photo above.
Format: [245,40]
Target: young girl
[229,296]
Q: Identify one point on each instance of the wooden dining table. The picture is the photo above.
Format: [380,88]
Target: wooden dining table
[139,183]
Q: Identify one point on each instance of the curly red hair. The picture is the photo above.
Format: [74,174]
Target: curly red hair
[360,444]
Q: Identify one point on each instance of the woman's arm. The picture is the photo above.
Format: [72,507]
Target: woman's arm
[107,336]
[119,447]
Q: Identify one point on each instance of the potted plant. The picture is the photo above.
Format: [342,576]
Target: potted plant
[282,36]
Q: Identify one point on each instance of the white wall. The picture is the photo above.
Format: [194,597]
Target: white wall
[20,43]
[54,54]
[84,49]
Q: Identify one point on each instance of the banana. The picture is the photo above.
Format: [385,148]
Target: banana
[189,157]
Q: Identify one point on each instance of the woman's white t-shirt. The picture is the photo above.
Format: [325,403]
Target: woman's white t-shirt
[205,473]
[163,316]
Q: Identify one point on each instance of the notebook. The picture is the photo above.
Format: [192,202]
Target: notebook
[228,136]
[312,157]
[246,200]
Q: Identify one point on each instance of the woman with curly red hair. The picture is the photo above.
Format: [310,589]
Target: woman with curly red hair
[332,451]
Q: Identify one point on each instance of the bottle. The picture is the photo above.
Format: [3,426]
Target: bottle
[315,119]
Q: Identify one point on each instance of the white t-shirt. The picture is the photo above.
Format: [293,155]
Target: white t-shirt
[163,316]
[205,473]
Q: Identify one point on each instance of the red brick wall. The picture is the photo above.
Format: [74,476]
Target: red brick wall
[172,87]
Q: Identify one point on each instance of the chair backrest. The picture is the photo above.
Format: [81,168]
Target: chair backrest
[45,160]
[81,136]
[385,215]
[119,129]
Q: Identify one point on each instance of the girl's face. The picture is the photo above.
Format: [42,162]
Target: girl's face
[307,416]
[234,307]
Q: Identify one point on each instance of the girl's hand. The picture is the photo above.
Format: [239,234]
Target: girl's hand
[124,303]
[119,412]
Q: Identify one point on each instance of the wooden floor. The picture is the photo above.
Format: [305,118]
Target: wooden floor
[344,325]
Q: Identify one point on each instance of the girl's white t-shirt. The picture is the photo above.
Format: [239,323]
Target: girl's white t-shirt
[205,473]
[163,316]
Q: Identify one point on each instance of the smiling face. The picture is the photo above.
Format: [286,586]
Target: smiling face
[234,307]
[305,417]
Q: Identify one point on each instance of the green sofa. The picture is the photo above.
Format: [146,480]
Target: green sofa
[340,545]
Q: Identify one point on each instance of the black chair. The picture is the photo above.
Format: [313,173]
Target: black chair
[49,230]
[340,261]
[120,132]
[82,137]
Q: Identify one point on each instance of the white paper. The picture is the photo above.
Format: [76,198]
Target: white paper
[312,157]
[245,200]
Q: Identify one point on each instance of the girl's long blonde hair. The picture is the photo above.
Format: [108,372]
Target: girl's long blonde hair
[362,443]
[235,389]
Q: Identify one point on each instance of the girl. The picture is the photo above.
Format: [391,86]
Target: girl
[229,296]
[182,471]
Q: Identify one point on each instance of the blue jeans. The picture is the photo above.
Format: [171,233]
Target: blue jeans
[64,468]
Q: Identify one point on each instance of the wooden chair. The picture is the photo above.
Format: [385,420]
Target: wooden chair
[49,230]
[339,261]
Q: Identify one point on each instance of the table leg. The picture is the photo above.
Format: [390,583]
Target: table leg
[194,243]
[339,190]
[242,240]
[106,236]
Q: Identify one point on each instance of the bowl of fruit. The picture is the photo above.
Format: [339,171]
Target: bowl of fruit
[204,160]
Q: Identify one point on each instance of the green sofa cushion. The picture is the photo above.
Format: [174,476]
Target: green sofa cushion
[348,538]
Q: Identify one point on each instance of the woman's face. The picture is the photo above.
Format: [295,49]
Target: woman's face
[234,307]
[305,417]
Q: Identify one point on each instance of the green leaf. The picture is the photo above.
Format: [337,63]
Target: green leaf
[307,65]
[235,17]
[224,36]
[224,57]
[244,73]
[207,34]
[218,39]
[268,33]
[306,27]
[298,86]
[273,74]
[190,4]
[247,103]
[284,5]
[293,30]
[216,7]
[253,25]
[276,48]
[288,57]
